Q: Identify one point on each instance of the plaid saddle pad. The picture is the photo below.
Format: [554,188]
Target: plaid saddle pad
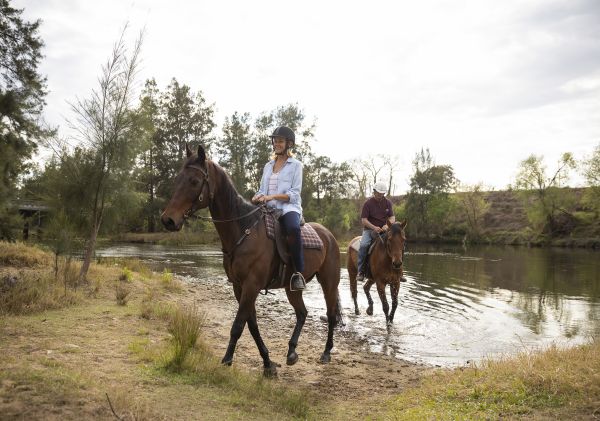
[310,238]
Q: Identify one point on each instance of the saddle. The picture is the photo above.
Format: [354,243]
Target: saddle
[355,244]
[310,240]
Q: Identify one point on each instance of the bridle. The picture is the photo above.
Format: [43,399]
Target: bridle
[387,246]
[196,204]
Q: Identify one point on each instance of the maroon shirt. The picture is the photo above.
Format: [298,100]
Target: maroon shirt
[376,212]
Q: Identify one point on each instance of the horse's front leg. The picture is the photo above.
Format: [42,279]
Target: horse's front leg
[246,300]
[367,288]
[394,288]
[270,368]
[384,303]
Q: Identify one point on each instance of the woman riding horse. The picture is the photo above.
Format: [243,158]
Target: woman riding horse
[280,188]
[250,257]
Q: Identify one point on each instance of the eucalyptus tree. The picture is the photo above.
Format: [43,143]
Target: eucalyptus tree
[22,92]
[545,200]
[234,150]
[184,118]
[591,172]
[428,204]
[145,130]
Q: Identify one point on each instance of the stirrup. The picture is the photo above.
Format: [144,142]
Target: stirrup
[297,282]
[360,277]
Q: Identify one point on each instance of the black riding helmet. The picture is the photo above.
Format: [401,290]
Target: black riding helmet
[285,132]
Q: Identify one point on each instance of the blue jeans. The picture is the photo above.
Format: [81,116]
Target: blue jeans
[365,242]
[291,227]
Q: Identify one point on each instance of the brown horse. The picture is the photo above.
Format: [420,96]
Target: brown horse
[250,258]
[385,262]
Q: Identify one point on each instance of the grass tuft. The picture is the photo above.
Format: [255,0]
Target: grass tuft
[184,326]
[21,255]
[169,282]
[528,383]
[122,292]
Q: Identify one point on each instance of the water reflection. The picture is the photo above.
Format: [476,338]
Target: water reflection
[458,305]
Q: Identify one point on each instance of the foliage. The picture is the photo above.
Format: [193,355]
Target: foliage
[234,150]
[591,172]
[22,92]
[428,204]
[105,123]
[548,382]
[545,200]
[122,292]
[27,286]
[471,202]
[183,117]
[185,326]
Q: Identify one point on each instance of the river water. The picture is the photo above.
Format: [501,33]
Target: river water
[459,305]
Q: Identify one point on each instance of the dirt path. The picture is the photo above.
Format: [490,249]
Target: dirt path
[61,364]
[354,374]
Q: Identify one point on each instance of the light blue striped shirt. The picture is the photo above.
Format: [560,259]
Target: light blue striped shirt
[289,182]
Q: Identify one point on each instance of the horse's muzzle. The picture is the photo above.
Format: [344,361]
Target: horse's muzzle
[169,223]
[397,265]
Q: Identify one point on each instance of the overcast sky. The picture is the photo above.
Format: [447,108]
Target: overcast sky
[483,83]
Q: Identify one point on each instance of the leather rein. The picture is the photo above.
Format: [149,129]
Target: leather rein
[195,206]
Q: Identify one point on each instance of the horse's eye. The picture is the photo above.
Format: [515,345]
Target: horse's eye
[194,181]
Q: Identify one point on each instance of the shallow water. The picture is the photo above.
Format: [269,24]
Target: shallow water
[458,305]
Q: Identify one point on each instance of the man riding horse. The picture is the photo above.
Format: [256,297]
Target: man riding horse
[377,211]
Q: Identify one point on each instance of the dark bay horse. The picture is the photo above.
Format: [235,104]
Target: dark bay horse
[250,258]
[385,262]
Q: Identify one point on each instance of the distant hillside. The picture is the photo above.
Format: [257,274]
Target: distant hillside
[506,223]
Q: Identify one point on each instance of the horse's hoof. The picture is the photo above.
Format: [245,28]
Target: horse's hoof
[227,362]
[270,371]
[292,358]
[325,358]
[370,310]
[357,312]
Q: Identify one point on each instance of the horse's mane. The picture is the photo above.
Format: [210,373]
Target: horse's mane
[233,201]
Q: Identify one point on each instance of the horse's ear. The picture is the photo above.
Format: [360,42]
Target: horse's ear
[403,224]
[201,154]
[188,151]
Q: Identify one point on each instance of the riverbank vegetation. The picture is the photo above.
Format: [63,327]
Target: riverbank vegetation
[113,180]
[86,352]
[83,354]
[551,384]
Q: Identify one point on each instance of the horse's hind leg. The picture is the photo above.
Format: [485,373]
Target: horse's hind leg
[367,288]
[352,272]
[330,290]
[295,299]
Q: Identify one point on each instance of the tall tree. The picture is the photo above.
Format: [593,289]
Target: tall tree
[104,121]
[22,92]
[235,148]
[543,197]
[427,203]
[145,129]
[472,203]
[591,172]
[185,117]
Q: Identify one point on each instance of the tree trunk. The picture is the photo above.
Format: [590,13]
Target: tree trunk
[89,251]
[151,227]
